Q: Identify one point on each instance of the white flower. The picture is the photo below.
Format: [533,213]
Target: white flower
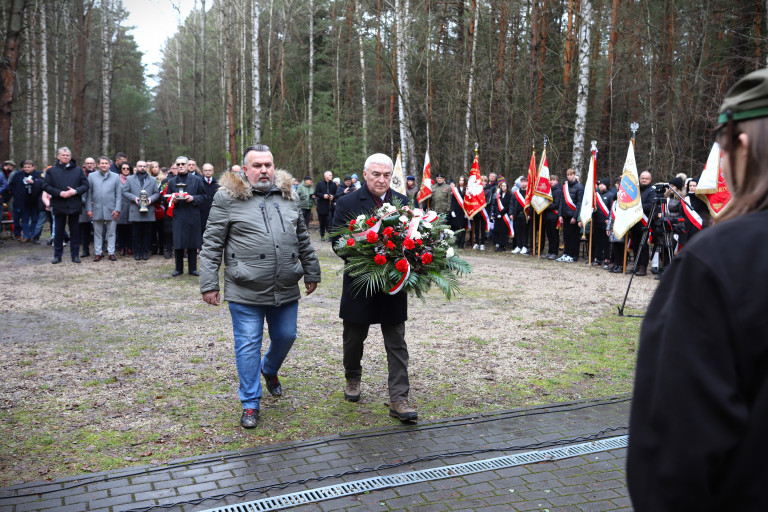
[386,206]
[404,219]
[416,235]
[360,219]
[448,232]
[427,225]
[449,252]
[418,212]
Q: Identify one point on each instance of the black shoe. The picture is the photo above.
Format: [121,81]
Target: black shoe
[56,260]
[168,255]
[36,241]
[75,259]
[86,254]
[145,256]
[49,242]
[250,418]
[641,271]
[177,273]
[136,257]
[273,384]
[194,273]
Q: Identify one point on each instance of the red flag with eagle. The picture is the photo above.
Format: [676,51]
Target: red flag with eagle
[712,187]
[425,192]
[474,199]
[531,181]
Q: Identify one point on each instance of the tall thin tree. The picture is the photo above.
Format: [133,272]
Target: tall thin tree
[583,86]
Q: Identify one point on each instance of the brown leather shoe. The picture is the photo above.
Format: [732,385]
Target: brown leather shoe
[97,257]
[401,410]
[352,391]
[112,257]
[641,271]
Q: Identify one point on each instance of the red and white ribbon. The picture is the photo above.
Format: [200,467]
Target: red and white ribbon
[567,197]
[401,282]
[694,217]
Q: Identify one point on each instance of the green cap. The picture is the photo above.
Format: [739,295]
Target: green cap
[747,99]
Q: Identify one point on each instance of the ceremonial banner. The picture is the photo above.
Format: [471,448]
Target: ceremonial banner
[542,191]
[474,199]
[425,192]
[712,187]
[590,187]
[630,207]
[398,179]
[531,180]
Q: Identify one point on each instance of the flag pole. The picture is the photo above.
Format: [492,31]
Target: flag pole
[594,191]
[541,217]
[633,127]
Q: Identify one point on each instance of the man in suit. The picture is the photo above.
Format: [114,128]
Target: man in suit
[186,216]
[210,185]
[325,193]
[358,311]
[103,204]
[142,223]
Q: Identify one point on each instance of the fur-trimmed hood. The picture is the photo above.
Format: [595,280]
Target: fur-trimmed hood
[238,186]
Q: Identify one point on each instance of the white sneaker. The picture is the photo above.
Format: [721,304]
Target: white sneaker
[482,247]
[561,258]
[516,250]
[567,259]
[524,250]
[475,247]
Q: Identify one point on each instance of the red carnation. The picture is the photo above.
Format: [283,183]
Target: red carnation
[401,265]
[426,258]
[388,231]
[371,221]
[409,244]
[372,237]
[350,242]
[352,224]
[380,259]
[397,233]
[418,242]
[390,244]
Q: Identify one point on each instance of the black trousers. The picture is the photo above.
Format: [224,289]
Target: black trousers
[521,231]
[191,259]
[478,229]
[601,246]
[323,218]
[141,236]
[550,228]
[571,238]
[85,236]
[353,338]
[62,219]
[307,216]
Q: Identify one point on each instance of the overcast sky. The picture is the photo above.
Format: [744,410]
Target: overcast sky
[154,22]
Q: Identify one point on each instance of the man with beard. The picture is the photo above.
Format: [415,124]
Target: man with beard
[257,228]
[186,193]
[142,223]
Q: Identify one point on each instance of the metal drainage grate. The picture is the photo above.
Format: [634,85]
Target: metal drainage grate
[424,475]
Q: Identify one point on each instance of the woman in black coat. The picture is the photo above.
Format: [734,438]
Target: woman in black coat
[700,406]
[458,217]
[500,213]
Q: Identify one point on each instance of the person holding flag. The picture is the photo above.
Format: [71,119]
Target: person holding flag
[502,227]
[700,408]
[474,204]
[458,217]
[425,192]
[573,192]
[520,217]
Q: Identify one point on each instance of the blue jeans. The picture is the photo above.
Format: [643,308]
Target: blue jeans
[248,328]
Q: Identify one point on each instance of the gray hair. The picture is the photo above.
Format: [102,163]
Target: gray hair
[259,148]
[380,159]
[181,158]
[62,149]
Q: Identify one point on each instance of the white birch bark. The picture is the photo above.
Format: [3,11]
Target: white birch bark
[471,84]
[30,87]
[106,76]
[402,20]
[43,85]
[255,74]
[269,63]
[583,86]
[311,98]
[359,8]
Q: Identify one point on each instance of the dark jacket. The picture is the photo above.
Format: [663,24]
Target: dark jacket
[700,407]
[26,195]
[187,233]
[516,210]
[498,214]
[457,218]
[59,178]
[205,205]
[576,193]
[324,206]
[355,307]
[557,198]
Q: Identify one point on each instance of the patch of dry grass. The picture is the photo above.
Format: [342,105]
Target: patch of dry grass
[108,365]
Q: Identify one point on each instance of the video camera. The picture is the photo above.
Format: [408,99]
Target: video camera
[660,188]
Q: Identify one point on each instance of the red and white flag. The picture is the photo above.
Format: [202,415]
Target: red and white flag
[712,187]
[531,180]
[474,199]
[542,190]
[590,187]
[425,192]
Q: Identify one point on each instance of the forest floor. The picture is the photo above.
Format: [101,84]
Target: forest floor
[114,364]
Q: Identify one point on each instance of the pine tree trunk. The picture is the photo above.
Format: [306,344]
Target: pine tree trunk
[364,107]
[44,151]
[29,97]
[106,69]
[8,75]
[583,86]
[204,80]
[311,92]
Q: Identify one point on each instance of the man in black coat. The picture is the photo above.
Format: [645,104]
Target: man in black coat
[647,197]
[186,216]
[325,193]
[359,311]
[67,184]
[210,185]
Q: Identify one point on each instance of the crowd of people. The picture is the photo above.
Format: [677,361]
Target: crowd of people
[112,206]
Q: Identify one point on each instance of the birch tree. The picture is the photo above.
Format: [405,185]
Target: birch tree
[255,73]
[106,75]
[583,86]
[363,113]
[311,92]
[43,84]
[402,20]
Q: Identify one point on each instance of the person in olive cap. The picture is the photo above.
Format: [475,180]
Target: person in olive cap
[700,406]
